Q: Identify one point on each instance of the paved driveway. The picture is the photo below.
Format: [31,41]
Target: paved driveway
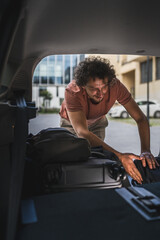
[121,136]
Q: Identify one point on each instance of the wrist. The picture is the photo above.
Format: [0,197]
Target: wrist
[119,155]
[145,151]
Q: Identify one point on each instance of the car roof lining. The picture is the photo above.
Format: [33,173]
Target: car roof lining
[111,27]
[83,27]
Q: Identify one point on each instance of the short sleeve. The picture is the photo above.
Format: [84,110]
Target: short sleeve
[73,101]
[123,95]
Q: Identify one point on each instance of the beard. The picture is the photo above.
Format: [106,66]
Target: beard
[96,99]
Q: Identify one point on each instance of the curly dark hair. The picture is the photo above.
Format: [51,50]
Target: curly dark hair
[92,67]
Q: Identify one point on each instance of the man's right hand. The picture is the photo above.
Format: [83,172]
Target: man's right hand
[127,162]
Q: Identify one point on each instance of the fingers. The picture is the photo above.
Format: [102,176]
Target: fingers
[149,158]
[144,162]
[157,164]
[133,156]
[128,164]
[141,158]
[135,174]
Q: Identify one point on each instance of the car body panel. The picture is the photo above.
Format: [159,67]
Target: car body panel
[40,28]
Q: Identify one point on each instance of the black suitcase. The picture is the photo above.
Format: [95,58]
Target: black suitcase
[94,173]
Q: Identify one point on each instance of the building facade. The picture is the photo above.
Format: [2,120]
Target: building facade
[51,77]
[53,74]
[135,71]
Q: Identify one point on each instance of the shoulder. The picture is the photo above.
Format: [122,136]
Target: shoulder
[121,92]
[73,88]
[117,86]
[74,94]
[115,83]
[74,98]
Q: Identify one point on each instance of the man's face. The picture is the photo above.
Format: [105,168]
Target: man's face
[96,89]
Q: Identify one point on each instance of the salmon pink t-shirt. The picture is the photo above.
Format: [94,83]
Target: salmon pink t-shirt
[77,99]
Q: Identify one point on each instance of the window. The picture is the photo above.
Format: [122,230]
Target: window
[59,70]
[57,91]
[43,71]
[82,57]
[67,67]
[36,79]
[56,69]
[158,68]
[42,90]
[74,64]
[142,103]
[36,75]
[51,69]
[144,71]
[53,74]
[44,80]
[151,103]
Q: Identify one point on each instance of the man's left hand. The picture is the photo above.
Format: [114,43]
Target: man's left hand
[150,159]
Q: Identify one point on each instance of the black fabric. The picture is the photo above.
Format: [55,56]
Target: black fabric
[57,145]
[90,214]
[148,175]
[153,187]
[32,180]
[99,152]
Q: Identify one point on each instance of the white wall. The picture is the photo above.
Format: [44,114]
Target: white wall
[55,102]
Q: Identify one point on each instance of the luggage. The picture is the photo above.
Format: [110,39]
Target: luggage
[56,145]
[94,173]
[57,161]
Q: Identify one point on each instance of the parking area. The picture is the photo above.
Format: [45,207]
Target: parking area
[120,135]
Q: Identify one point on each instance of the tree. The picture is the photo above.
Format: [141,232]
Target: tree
[46,96]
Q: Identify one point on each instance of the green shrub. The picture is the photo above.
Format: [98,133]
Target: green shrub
[49,110]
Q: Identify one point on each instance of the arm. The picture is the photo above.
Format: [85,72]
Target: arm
[144,132]
[78,121]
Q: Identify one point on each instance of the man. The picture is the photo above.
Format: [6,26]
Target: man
[89,97]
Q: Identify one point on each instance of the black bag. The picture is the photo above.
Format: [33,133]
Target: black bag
[99,152]
[148,175]
[57,145]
